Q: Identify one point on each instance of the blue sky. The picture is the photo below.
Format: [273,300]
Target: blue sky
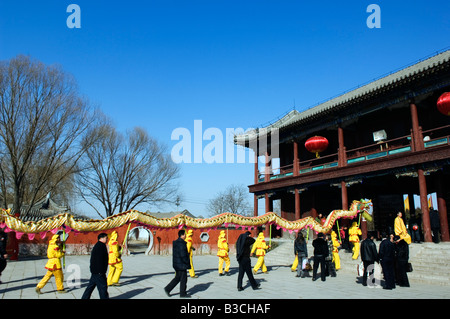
[231,64]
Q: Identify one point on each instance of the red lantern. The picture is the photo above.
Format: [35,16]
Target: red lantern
[443,103]
[316,145]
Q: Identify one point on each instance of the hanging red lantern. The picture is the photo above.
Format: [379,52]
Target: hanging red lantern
[443,103]
[316,145]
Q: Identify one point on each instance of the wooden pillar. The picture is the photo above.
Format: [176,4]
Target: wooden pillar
[255,206]
[297,204]
[256,173]
[344,196]
[268,203]
[267,167]
[295,162]
[442,208]
[342,156]
[424,206]
[416,130]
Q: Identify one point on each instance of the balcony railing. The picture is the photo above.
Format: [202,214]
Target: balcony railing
[432,138]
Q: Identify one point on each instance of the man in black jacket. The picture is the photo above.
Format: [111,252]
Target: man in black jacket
[320,253]
[243,249]
[386,255]
[181,263]
[98,267]
[369,256]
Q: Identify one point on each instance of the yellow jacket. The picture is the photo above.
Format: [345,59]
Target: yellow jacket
[188,241]
[335,242]
[114,249]
[54,254]
[222,245]
[400,229]
[353,233]
[260,246]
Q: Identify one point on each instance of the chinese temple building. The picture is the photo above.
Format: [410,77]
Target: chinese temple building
[382,141]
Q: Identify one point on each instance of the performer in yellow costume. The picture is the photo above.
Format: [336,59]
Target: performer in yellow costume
[222,253]
[354,232]
[114,260]
[53,266]
[190,250]
[336,244]
[400,228]
[260,247]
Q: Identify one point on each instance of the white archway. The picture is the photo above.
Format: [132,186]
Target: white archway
[139,240]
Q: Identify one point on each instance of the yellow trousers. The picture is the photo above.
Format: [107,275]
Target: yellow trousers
[191,271]
[114,273]
[59,278]
[337,261]
[227,262]
[355,250]
[260,264]
[295,264]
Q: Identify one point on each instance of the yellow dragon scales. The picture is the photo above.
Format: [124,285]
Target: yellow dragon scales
[13,223]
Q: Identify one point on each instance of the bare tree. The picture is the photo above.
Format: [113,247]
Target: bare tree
[127,171]
[232,200]
[43,125]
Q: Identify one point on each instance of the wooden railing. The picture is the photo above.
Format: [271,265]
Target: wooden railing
[432,138]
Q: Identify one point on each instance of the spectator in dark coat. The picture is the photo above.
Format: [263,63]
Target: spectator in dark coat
[320,253]
[402,257]
[243,248]
[386,254]
[301,250]
[98,267]
[369,256]
[181,263]
[435,225]
[3,253]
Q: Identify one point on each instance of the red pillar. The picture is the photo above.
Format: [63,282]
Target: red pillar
[255,206]
[297,204]
[295,163]
[416,130]
[342,156]
[442,208]
[424,206]
[267,167]
[344,196]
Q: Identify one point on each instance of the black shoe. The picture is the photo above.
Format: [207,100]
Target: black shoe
[257,287]
[167,292]
[185,296]
[221,274]
[227,273]
[240,288]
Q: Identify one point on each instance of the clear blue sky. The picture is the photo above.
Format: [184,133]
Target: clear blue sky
[163,64]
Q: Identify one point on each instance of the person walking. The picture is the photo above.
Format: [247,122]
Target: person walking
[98,267]
[354,233]
[435,225]
[320,253]
[3,253]
[53,265]
[259,247]
[301,250]
[386,255]
[243,247]
[114,260]
[190,248]
[222,253]
[329,263]
[402,256]
[180,263]
[369,256]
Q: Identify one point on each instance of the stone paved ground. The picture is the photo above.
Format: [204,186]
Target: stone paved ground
[144,277]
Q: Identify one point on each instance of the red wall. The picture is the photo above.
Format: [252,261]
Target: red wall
[162,240]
